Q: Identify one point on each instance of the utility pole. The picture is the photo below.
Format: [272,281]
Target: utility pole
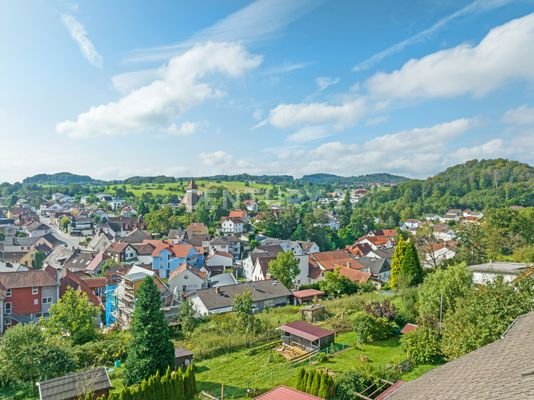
[440,310]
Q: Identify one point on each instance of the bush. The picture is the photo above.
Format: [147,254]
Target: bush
[423,346]
[369,328]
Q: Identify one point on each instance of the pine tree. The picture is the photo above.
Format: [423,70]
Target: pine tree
[178,385]
[151,349]
[323,388]
[316,384]
[411,273]
[309,381]
[331,388]
[396,262]
[301,379]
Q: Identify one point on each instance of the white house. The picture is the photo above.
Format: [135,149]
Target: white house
[226,244]
[484,273]
[232,226]
[439,253]
[443,232]
[187,279]
[220,259]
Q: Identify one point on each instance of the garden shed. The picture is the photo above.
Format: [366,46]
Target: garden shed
[306,336]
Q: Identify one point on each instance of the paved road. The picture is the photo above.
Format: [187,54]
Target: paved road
[71,241]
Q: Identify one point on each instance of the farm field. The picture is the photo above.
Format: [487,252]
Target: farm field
[178,188]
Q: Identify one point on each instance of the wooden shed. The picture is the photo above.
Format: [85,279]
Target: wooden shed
[182,357]
[306,336]
[76,386]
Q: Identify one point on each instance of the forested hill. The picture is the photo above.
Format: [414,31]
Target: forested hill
[474,184]
[381,178]
[60,178]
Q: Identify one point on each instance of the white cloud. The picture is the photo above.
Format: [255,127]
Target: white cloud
[499,58]
[415,152]
[472,8]
[260,20]
[287,68]
[340,116]
[156,105]
[308,134]
[186,128]
[324,82]
[79,34]
[129,81]
[420,139]
[522,115]
[493,148]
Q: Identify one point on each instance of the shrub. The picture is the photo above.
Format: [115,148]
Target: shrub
[369,328]
[423,346]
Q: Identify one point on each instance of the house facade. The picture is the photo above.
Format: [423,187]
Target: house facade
[186,279]
[28,295]
[232,226]
[265,294]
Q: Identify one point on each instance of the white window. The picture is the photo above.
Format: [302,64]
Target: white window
[8,293]
[35,290]
[8,308]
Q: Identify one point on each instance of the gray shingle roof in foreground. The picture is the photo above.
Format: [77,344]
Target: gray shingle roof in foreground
[503,369]
[74,385]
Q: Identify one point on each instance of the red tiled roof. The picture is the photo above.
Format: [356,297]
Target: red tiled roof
[300,294]
[408,328]
[238,214]
[330,259]
[354,275]
[285,393]
[306,330]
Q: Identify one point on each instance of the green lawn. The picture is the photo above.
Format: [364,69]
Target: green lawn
[240,371]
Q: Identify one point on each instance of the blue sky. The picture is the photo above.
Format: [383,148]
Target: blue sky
[123,88]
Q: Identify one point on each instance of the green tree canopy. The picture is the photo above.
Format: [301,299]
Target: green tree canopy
[27,356]
[484,315]
[74,317]
[243,307]
[151,349]
[285,268]
[445,286]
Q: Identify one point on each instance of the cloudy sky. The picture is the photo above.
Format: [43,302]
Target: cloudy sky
[120,88]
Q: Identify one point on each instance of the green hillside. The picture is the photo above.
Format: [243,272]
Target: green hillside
[475,185]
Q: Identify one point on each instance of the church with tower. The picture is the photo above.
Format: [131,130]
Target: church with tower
[191,197]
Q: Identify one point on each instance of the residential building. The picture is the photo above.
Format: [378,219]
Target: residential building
[443,232]
[232,226]
[125,295]
[168,256]
[380,268]
[251,206]
[82,227]
[226,244]
[186,279]
[219,259]
[100,242]
[488,272]
[28,295]
[122,252]
[265,294]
